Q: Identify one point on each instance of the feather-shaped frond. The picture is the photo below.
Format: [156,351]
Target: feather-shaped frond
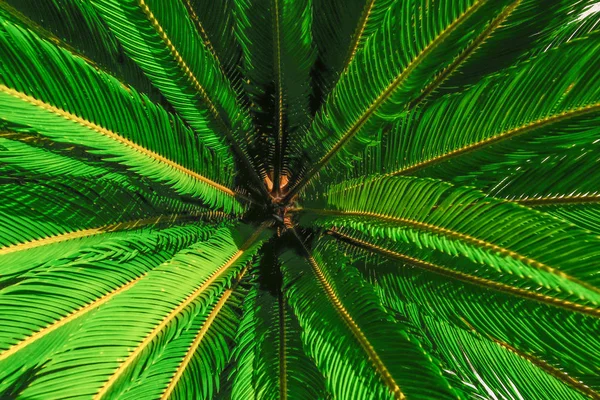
[340,29]
[270,362]
[465,357]
[541,335]
[215,22]
[278,56]
[398,61]
[77,27]
[131,131]
[299,199]
[181,283]
[338,310]
[464,222]
[532,27]
[509,140]
[162,39]
[197,347]
[79,284]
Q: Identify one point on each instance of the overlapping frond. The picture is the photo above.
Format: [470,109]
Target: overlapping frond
[276,39]
[337,311]
[77,27]
[505,329]
[398,61]
[510,239]
[502,152]
[340,29]
[181,284]
[210,199]
[162,39]
[215,22]
[270,362]
[121,127]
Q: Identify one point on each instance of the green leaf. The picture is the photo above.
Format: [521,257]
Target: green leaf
[340,29]
[270,362]
[414,43]
[162,40]
[276,40]
[171,288]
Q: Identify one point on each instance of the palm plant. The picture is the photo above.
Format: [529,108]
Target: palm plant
[350,199]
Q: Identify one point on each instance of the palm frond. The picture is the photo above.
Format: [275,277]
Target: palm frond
[335,308]
[531,28]
[33,103]
[175,59]
[270,360]
[345,123]
[208,199]
[183,280]
[484,141]
[464,222]
[465,356]
[507,326]
[340,29]
[215,22]
[77,27]
[275,36]
[198,348]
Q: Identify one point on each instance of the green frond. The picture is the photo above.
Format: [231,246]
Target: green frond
[299,199]
[198,268]
[161,38]
[197,346]
[270,360]
[464,356]
[537,333]
[276,40]
[413,44]
[76,26]
[462,222]
[130,133]
[531,28]
[78,284]
[340,29]
[215,22]
[353,340]
[492,149]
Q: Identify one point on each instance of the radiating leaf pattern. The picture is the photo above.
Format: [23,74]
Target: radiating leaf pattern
[299,199]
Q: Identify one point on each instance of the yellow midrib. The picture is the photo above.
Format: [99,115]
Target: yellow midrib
[530,126]
[386,377]
[279,151]
[358,334]
[543,365]
[384,95]
[358,34]
[97,230]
